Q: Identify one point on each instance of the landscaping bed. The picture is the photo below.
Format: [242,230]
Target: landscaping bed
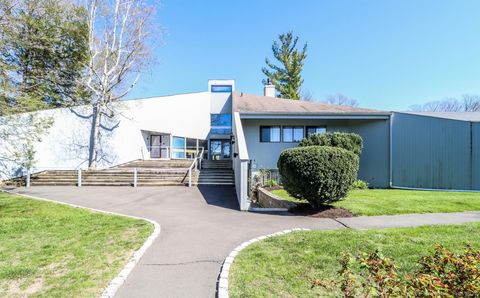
[48,249]
[295,264]
[395,201]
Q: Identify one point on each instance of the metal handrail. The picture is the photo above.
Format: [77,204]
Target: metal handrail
[197,161]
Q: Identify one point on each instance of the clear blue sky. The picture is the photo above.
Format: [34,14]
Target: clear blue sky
[387,54]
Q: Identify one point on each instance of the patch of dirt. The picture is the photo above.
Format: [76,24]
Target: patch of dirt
[326,211]
[15,288]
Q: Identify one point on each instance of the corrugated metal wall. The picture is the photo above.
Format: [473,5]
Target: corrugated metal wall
[430,152]
[476,155]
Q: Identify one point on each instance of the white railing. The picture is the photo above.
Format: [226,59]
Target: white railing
[196,164]
[30,172]
[34,170]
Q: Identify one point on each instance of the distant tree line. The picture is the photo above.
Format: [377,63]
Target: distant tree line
[467,103]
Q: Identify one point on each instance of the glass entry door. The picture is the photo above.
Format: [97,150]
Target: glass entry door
[219,149]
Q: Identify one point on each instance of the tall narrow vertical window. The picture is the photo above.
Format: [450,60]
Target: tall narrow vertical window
[315,129]
[270,134]
[292,134]
[178,148]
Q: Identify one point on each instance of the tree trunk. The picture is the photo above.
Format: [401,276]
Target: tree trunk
[94,131]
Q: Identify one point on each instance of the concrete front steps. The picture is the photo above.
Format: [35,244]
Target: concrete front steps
[149,173]
[156,164]
[216,172]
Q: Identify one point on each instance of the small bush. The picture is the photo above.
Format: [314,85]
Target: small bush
[272,183]
[442,274]
[318,174]
[359,184]
[349,141]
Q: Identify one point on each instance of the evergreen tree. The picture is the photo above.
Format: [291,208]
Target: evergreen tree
[43,49]
[287,77]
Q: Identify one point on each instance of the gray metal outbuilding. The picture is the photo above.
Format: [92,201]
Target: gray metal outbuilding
[435,150]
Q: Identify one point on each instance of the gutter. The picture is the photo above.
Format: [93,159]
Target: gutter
[380,116]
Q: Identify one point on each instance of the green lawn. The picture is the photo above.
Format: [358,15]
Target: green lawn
[52,250]
[286,266]
[395,201]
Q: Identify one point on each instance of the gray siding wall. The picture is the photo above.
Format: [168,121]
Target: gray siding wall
[476,155]
[430,152]
[374,161]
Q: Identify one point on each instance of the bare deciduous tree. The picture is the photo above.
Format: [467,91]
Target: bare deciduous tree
[306,95]
[468,103]
[341,100]
[119,50]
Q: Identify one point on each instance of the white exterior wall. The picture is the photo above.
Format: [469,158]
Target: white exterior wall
[240,164]
[65,145]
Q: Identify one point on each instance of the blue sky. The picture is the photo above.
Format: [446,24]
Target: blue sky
[387,54]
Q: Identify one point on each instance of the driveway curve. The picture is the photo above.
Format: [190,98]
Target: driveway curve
[200,226]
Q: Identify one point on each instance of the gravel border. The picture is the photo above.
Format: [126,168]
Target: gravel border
[121,277]
[222,285]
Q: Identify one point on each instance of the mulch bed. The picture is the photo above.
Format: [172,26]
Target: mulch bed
[321,212]
[305,209]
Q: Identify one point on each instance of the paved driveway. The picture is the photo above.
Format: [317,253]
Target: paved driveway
[200,226]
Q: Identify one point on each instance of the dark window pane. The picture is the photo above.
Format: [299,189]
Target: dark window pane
[315,129]
[265,134]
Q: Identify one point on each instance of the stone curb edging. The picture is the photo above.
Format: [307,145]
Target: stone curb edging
[115,284]
[222,287]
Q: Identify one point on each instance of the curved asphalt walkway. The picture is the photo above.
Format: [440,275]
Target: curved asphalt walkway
[200,226]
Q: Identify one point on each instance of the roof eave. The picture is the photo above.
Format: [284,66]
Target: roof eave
[309,115]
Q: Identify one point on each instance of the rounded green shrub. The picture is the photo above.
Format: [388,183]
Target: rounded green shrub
[318,174]
[349,141]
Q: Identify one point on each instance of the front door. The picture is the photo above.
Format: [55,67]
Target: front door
[219,149]
[155,144]
[159,146]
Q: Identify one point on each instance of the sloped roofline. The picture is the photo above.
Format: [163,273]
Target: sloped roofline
[254,106]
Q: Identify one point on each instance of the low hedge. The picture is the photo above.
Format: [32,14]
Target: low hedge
[349,141]
[318,174]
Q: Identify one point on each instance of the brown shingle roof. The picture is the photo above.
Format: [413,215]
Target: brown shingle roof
[249,103]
